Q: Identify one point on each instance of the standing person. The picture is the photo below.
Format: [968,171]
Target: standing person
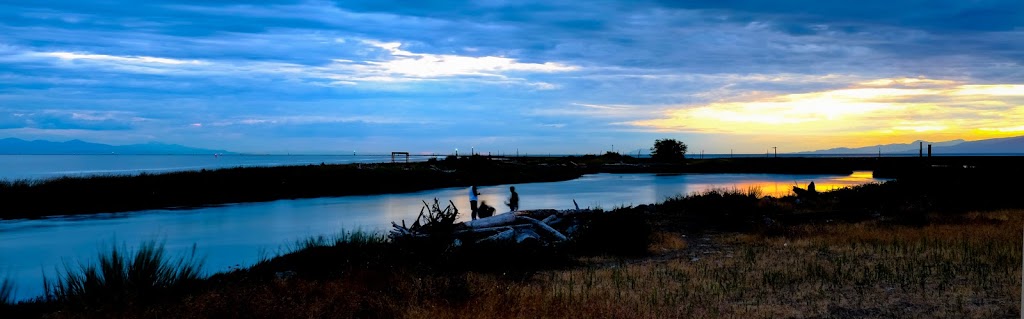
[513,202]
[472,201]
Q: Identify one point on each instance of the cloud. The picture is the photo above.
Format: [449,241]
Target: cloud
[422,65]
[549,72]
[876,111]
[939,15]
[396,66]
[69,120]
[71,56]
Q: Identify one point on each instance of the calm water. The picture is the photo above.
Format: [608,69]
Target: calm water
[239,234]
[48,166]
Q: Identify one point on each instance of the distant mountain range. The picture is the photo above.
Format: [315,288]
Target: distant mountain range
[13,146]
[1008,145]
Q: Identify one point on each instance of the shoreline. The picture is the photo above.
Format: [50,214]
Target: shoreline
[187,189]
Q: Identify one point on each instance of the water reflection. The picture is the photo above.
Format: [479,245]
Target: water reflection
[238,235]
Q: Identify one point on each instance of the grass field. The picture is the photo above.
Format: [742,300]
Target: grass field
[968,268]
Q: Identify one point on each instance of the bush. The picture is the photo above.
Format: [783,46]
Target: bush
[621,232]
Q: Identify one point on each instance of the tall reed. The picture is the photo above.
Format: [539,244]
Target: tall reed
[6,292]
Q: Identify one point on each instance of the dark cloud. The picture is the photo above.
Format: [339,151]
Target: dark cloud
[931,15]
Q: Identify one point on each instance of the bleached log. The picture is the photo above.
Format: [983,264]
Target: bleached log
[526,235]
[496,220]
[482,230]
[502,236]
[543,227]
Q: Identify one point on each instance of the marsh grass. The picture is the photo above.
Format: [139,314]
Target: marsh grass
[966,270]
[7,292]
[955,267]
[122,277]
[118,193]
[357,237]
[723,209]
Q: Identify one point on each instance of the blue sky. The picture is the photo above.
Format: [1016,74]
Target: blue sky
[541,77]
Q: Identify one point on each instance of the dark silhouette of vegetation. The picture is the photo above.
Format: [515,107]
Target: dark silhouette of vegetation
[6,292]
[620,232]
[122,279]
[82,195]
[668,150]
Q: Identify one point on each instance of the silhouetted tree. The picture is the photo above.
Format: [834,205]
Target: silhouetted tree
[668,150]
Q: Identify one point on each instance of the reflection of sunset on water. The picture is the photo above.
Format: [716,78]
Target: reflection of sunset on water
[774,187]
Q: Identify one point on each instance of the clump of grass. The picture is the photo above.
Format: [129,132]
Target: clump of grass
[726,209]
[123,277]
[357,237]
[665,242]
[328,256]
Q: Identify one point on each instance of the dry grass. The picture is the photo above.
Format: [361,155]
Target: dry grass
[966,266]
[666,242]
[970,269]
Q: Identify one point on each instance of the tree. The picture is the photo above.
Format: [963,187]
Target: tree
[668,150]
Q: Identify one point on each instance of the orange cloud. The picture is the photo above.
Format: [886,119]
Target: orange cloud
[877,111]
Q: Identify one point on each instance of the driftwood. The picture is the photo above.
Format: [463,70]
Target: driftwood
[431,221]
[543,226]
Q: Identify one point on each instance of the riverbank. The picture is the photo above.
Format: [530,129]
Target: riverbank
[877,250]
[102,194]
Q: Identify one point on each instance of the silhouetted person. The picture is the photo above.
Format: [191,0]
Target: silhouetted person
[485,210]
[513,202]
[810,188]
[472,201]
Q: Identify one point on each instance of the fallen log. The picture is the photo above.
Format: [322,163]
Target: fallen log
[527,235]
[544,227]
[499,237]
[496,220]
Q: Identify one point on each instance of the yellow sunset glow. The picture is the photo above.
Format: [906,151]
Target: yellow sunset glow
[868,113]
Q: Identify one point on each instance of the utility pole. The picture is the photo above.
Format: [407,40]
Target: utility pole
[776,148]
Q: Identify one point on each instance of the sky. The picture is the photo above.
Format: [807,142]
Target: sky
[559,77]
